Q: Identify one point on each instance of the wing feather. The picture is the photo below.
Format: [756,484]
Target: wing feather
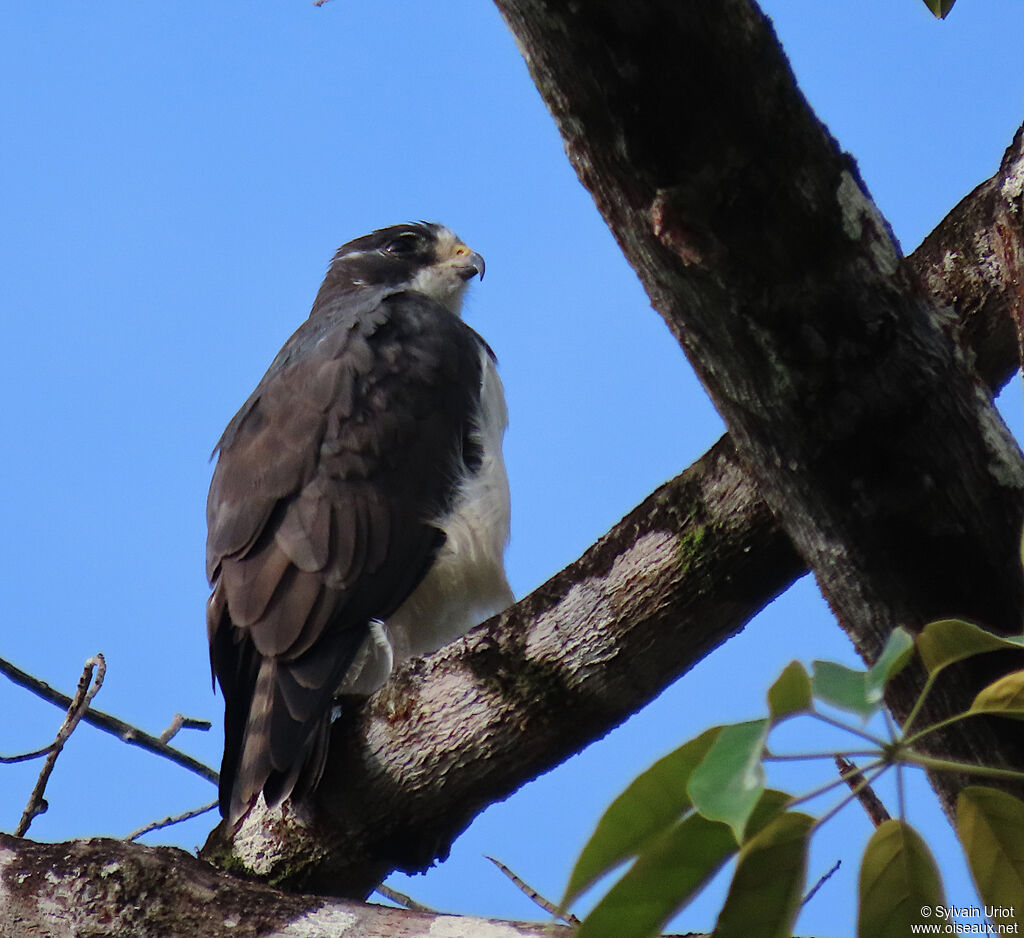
[250,581]
[279,627]
[320,519]
[304,531]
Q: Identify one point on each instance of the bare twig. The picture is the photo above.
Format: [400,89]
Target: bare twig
[535,896]
[169,821]
[109,724]
[821,882]
[88,687]
[869,801]
[181,722]
[400,898]
[26,756]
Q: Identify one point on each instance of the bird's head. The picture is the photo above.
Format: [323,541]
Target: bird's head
[423,257]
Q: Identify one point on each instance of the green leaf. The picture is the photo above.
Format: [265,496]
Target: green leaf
[791,693]
[1004,697]
[764,897]
[728,783]
[772,803]
[940,8]
[898,877]
[651,804]
[843,687]
[990,824]
[861,692]
[669,872]
[948,640]
[899,648]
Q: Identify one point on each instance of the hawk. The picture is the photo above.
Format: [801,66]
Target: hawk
[359,509]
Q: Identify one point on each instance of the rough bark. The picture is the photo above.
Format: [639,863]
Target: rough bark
[974,261]
[843,390]
[715,555]
[113,889]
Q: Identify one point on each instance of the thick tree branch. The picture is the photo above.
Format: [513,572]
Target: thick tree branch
[112,889]
[974,261]
[845,396]
[693,563]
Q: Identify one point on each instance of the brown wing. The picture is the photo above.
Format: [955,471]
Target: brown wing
[319,520]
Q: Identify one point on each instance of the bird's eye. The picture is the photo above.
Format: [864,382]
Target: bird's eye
[405,243]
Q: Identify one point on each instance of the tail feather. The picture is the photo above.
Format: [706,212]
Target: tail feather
[254,763]
[303,775]
[276,730]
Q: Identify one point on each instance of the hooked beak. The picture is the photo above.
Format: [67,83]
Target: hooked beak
[469,264]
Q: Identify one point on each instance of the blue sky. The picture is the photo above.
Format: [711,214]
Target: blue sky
[175,178]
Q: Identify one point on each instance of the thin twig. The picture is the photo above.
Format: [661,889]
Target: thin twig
[869,801]
[821,882]
[109,724]
[88,686]
[169,821]
[400,898]
[181,722]
[881,767]
[26,756]
[535,896]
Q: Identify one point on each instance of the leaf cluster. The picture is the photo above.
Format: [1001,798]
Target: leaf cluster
[706,802]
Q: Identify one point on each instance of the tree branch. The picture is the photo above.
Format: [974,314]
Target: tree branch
[111,888]
[843,391]
[89,685]
[171,820]
[110,724]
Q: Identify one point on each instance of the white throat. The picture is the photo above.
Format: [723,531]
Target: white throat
[441,283]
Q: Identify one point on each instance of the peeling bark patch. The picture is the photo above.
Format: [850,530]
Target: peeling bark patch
[255,848]
[599,601]
[1012,188]
[322,922]
[451,926]
[862,221]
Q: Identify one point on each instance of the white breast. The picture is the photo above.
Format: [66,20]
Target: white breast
[467,583]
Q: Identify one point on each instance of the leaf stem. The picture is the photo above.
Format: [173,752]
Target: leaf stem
[919,703]
[824,789]
[839,724]
[949,765]
[798,756]
[910,740]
